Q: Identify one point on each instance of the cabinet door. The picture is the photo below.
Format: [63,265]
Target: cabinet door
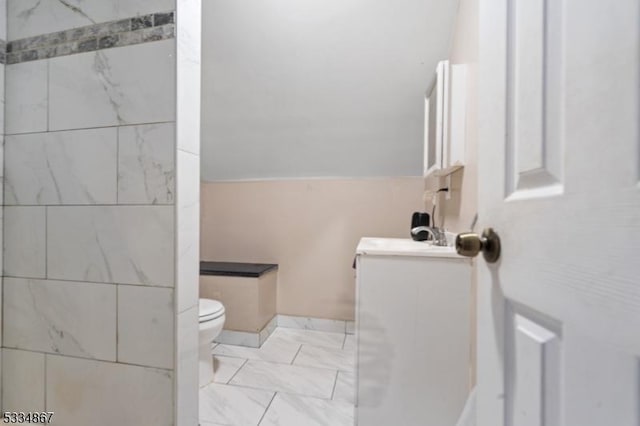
[436,120]
[413,340]
[455,141]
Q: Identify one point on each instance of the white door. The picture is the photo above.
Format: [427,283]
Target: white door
[559,160]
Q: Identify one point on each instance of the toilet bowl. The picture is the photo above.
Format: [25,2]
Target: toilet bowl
[211,322]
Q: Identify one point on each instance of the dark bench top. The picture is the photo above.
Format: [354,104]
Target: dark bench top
[236,269]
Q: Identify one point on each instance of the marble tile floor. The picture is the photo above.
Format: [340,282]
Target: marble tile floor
[297,378]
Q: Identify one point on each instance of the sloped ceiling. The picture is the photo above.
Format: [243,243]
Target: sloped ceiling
[318,88]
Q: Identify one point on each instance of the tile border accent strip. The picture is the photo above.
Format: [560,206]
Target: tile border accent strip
[123,32]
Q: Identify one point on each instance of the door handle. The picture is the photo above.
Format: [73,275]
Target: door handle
[469,244]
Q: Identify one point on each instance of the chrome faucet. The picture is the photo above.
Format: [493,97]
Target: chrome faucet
[437,234]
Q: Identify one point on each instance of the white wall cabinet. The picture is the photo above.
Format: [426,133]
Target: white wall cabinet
[445,120]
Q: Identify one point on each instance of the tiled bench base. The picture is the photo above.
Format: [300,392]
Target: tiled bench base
[245,338]
[250,302]
[248,292]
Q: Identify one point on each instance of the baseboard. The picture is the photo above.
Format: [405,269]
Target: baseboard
[255,340]
[317,324]
[245,338]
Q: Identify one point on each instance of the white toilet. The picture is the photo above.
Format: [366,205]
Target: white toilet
[211,323]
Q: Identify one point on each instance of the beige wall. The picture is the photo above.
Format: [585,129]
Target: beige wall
[310,227]
[457,213]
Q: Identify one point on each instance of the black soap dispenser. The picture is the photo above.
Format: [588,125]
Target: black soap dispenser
[420,219]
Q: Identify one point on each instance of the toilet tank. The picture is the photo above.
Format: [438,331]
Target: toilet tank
[413,328]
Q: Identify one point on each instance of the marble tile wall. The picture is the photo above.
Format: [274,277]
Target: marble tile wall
[24,242]
[89,392]
[94,89]
[24,372]
[26,97]
[101,244]
[112,244]
[3,38]
[68,318]
[28,18]
[188,41]
[72,167]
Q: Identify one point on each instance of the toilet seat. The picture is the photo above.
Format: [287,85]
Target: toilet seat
[210,309]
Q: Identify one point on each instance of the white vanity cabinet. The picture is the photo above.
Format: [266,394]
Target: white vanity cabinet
[413,326]
[445,120]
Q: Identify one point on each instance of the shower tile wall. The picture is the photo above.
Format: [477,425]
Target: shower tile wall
[93,209]
[188,38]
[3,38]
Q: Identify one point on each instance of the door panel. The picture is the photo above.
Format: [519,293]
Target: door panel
[559,165]
[586,401]
[534,352]
[601,95]
[534,145]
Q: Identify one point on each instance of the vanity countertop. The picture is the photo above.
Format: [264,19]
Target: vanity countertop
[405,247]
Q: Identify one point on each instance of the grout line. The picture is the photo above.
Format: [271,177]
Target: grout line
[258,360]
[344,342]
[46,242]
[234,374]
[335,384]
[105,361]
[272,390]
[296,355]
[48,95]
[91,128]
[45,382]
[282,364]
[117,322]
[91,282]
[91,205]
[118,165]
[267,409]
[2,233]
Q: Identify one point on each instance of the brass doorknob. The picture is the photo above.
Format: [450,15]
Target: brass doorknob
[469,244]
